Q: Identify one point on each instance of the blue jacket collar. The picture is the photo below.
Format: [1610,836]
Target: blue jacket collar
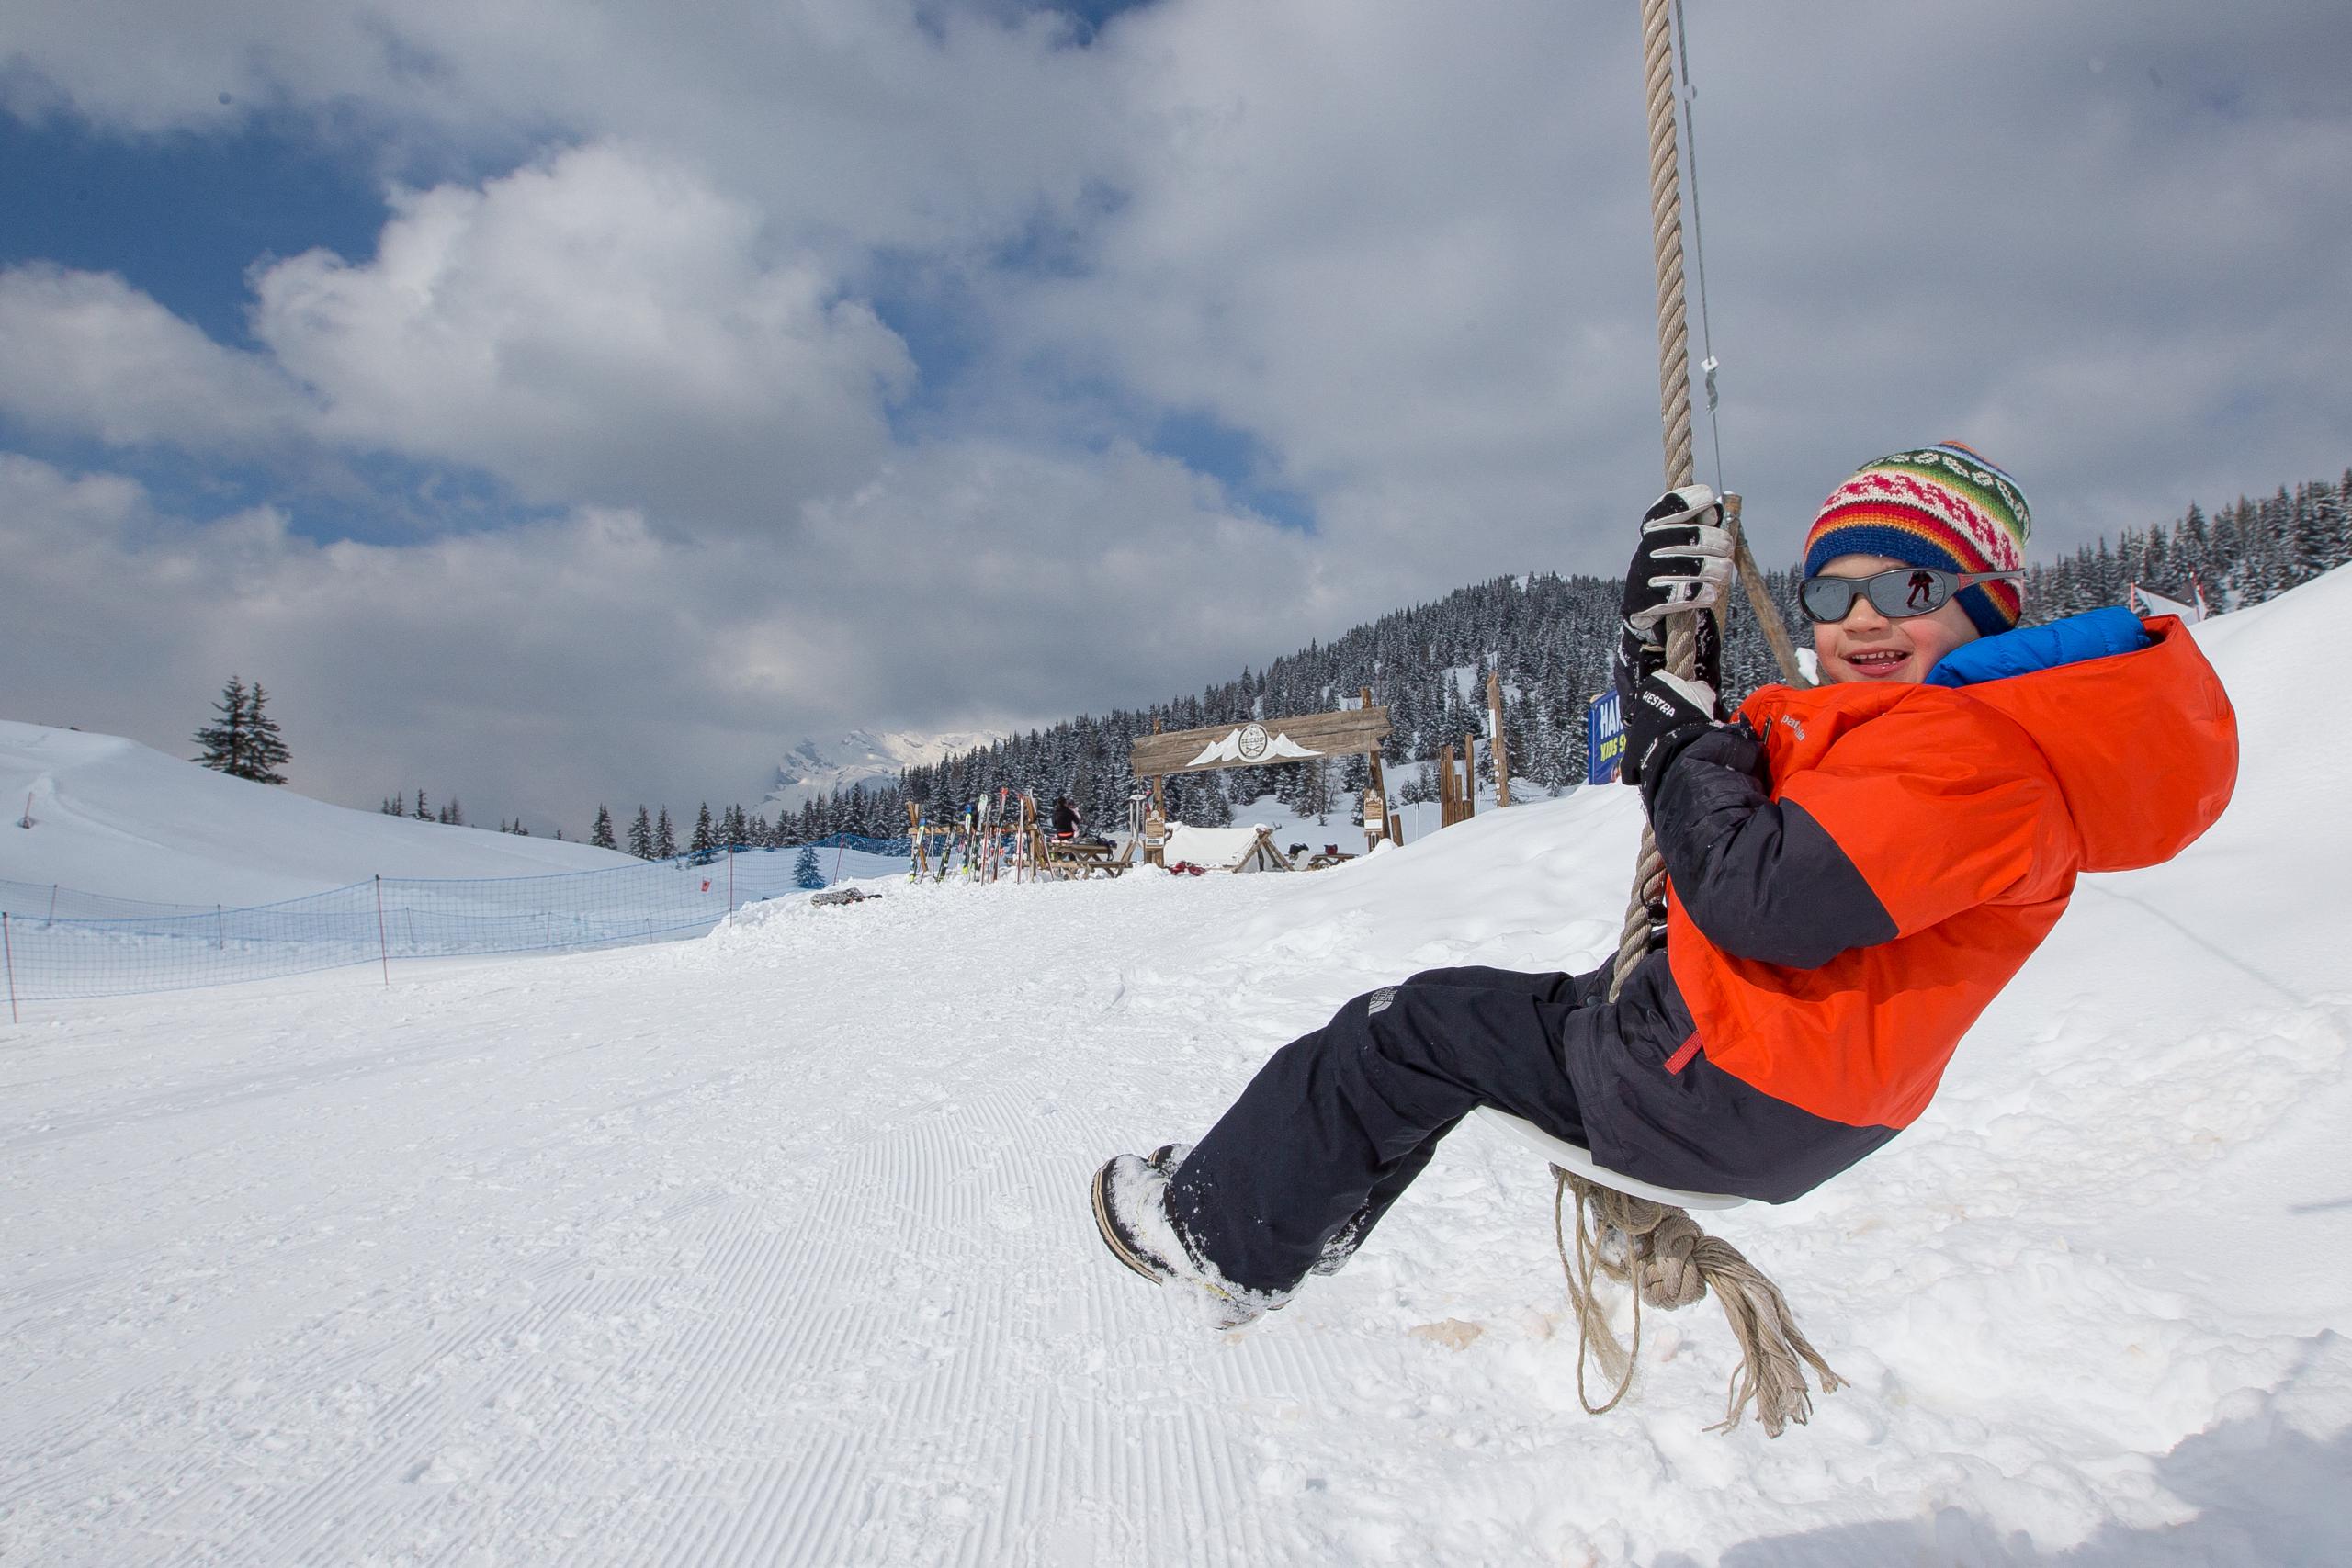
[2095,634]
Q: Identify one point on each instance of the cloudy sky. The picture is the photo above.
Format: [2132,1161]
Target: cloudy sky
[555,403]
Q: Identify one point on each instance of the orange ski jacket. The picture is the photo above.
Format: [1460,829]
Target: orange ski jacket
[1926,838]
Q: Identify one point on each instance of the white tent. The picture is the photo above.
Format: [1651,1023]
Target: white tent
[1223,848]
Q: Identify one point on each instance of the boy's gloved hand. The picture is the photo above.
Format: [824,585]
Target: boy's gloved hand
[1667,714]
[1684,563]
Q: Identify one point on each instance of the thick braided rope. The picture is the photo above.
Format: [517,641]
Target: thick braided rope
[1674,409]
[1666,239]
[1656,1248]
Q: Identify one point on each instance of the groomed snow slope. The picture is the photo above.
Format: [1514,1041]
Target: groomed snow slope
[773,1248]
[115,818]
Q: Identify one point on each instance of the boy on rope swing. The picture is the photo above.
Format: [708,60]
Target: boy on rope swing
[1855,871]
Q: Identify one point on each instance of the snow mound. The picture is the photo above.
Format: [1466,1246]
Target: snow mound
[114,818]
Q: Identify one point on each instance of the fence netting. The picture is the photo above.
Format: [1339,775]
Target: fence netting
[61,944]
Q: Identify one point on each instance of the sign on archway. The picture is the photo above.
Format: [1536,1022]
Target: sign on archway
[1264,743]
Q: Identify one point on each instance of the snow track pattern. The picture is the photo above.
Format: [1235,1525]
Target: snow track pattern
[674,1257]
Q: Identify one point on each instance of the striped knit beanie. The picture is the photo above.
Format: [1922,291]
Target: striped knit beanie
[1939,506]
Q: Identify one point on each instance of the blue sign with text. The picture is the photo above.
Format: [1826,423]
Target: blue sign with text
[1604,739]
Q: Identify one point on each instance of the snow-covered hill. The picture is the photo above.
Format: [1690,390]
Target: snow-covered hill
[814,769]
[115,818]
[774,1247]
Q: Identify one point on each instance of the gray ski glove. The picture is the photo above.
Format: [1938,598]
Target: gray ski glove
[1683,563]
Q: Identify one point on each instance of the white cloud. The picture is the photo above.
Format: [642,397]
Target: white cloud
[590,657]
[87,354]
[1403,248]
[1409,252]
[600,329]
[877,122]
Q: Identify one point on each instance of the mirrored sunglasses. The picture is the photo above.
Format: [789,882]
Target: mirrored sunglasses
[1898,594]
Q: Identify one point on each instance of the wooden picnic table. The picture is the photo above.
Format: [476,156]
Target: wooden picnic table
[1083,856]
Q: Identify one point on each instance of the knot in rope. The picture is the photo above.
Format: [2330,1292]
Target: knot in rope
[1671,1262]
[1646,1246]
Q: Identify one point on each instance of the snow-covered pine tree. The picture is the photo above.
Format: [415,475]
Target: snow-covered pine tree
[422,814]
[804,870]
[2194,542]
[665,837]
[641,835]
[600,832]
[2331,514]
[266,750]
[244,742]
[225,740]
[2308,553]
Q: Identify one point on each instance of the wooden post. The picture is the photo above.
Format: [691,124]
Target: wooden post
[1501,746]
[1155,820]
[1760,599]
[1469,777]
[1377,796]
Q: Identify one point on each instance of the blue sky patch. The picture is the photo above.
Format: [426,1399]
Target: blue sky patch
[183,216]
[1238,461]
[327,495]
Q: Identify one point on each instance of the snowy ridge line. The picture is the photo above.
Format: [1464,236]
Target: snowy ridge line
[188,947]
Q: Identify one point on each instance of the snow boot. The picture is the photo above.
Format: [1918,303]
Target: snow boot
[1131,1212]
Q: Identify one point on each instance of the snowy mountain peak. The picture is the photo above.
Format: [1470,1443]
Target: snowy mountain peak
[815,768]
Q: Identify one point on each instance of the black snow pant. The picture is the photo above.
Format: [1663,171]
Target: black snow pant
[1340,1122]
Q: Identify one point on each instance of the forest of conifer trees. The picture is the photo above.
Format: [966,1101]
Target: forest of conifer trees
[1549,638]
